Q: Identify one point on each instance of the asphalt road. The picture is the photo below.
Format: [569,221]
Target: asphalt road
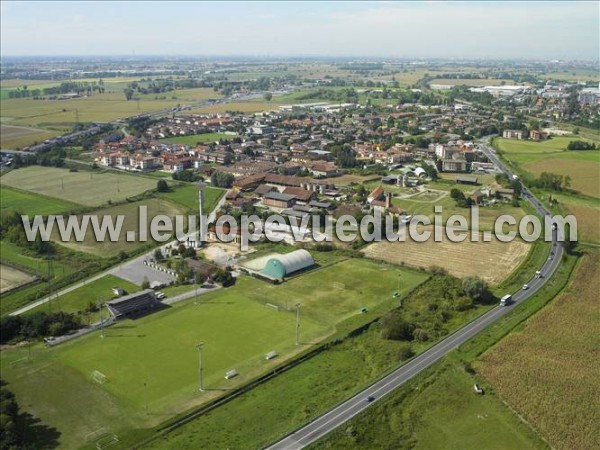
[351,407]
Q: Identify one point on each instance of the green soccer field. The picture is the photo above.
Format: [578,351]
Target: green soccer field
[153,360]
[31,204]
[84,187]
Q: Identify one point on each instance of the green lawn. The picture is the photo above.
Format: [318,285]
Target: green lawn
[31,204]
[238,329]
[84,188]
[194,139]
[95,291]
[187,196]
[340,290]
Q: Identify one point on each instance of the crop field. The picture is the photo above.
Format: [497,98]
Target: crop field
[588,220]
[551,156]
[187,196]
[493,261]
[31,204]
[152,362]
[547,370]
[105,107]
[194,139]
[87,294]
[467,81]
[14,137]
[84,188]
[130,213]
[11,278]
[425,204]
[241,106]
[584,173]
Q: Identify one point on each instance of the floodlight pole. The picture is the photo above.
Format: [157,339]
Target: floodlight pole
[101,319]
[199,347]
[297,323]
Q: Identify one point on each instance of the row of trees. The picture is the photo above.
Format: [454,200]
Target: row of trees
[581,145]
[65,87]
[551,181]
[37,325]
[52,157]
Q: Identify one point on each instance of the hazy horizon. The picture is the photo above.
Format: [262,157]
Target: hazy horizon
[417,30]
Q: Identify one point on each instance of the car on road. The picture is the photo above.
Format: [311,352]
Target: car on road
[525,287]
[370,398]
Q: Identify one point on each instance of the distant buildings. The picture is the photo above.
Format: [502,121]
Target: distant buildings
[513,134]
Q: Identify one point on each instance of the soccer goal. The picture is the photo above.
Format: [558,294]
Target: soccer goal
[337,285]
[98,377]
[107,441]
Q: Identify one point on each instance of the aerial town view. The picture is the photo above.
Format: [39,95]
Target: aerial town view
[288,225]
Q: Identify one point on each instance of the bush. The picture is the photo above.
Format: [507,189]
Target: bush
[421,335]
[405,352]
[395,328]
[162,186]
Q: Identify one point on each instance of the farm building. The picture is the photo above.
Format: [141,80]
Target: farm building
[278,200]
[282,266]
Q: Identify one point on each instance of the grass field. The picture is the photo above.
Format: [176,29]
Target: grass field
[11,278]
[547,370]
[551,156]
[99,290]
[84,188]
[494,260]
[194,139]
[238,329]
[28,203]
[130,213]
[437,411]
[187,196]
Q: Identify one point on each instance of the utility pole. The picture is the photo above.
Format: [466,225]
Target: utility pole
[199,347]
[101,320]
[297,323]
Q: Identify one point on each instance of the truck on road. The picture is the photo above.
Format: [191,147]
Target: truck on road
[505,300]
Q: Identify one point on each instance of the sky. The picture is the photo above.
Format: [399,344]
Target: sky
[508,30]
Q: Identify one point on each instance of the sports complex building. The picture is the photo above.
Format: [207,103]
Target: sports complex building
[280,266]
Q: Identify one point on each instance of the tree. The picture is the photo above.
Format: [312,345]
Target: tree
[224,277]
[145,283]
[158,255]
[394,327]
[162,186]
[268,96]
[476,289]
